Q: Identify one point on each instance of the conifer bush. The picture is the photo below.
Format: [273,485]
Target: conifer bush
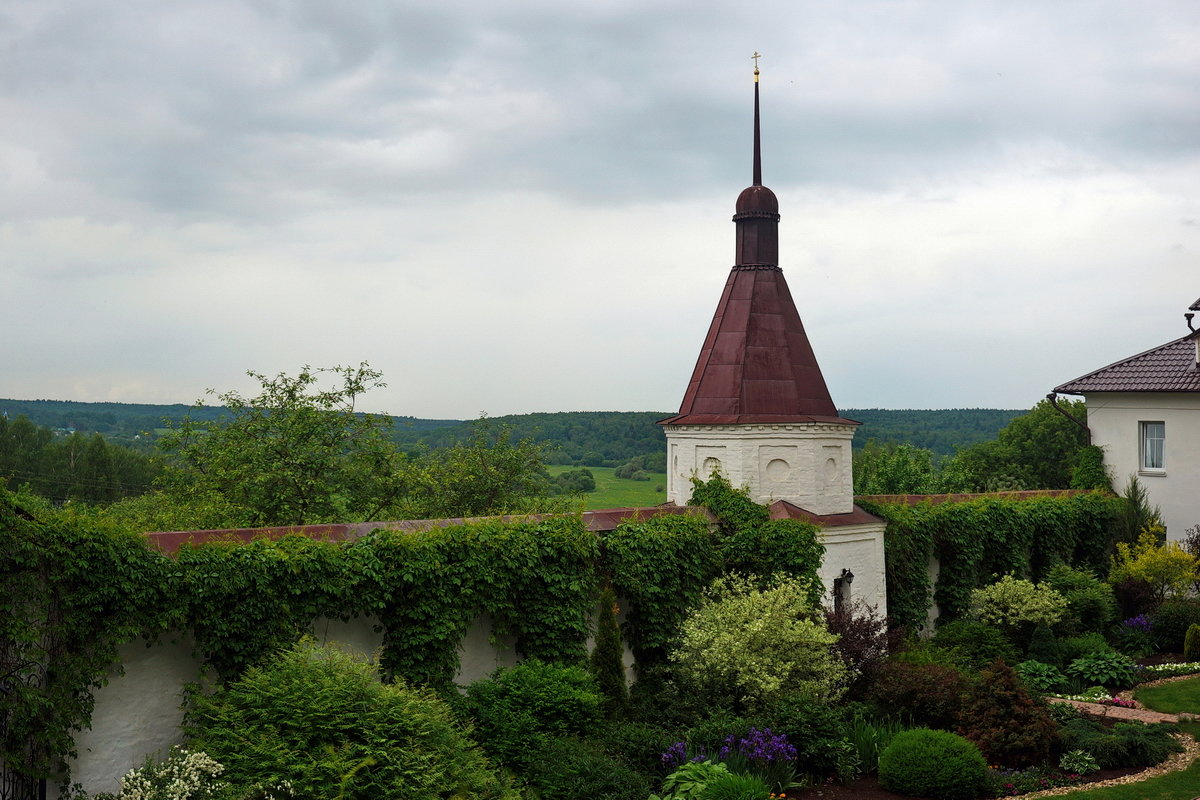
[975,644]
[929,763]
[930,694]
[1191,643]
[1008,725]
[607,657]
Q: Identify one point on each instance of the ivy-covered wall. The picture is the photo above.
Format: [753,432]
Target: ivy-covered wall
[974,541]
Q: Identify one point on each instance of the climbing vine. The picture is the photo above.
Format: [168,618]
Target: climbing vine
[978,540]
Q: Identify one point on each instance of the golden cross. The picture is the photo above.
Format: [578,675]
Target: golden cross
[756,57]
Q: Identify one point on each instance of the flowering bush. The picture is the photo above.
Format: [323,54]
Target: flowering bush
[1014,782]
[760,752]
[753,645]
[1015,604]
[1157,671]
[183,775]
[1133,636]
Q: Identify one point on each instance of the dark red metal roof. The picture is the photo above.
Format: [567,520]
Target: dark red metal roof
[1168,368]
[757,365]
[782,509]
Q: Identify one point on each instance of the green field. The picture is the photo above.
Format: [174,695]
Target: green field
[614,492]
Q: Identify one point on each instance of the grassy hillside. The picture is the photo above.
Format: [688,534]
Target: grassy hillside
[614,492]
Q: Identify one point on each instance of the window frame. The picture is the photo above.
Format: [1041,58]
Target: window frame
[1145,453]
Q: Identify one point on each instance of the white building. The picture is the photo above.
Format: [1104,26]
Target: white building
[1144,412]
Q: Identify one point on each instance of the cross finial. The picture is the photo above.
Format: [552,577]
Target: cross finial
[756,57]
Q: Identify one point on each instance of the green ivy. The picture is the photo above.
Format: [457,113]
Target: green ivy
[977,540]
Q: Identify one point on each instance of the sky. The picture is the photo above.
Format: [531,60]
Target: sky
[511,207]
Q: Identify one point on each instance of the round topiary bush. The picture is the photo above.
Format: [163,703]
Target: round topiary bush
[926,763]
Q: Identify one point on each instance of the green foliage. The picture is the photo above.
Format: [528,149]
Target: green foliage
[519,710]
[1041,677]
[72,596]
[574,481]
[606,658]
[732,786]
[1191,643]
[976,539]
[690,780]
[638,744]
[1126,744]
[568,768]
[320,719]
[1172,620]
[1111,670]
[975,644]
[1166,568]
[870,737]
[931,763]
[1091,605]
[537,580]
[1137,516]
[1089,471]
[734,509]
[1008,725]
[1016,605]
[754,645]
[894,469]
[661,566]
[1078,761]
[292,454]
[816,730]
[1044,646]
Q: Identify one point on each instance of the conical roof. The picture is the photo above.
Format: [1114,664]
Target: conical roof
[757,365]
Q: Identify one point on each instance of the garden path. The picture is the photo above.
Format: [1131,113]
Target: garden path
[1117,712]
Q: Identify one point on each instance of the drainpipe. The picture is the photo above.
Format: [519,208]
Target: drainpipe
[1053,398]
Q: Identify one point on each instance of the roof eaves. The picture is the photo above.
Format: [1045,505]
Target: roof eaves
[1064,388]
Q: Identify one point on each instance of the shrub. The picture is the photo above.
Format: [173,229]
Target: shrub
[1074,647]
[975,644]
[637,743]
[1111,670]
[1165,567]
[928,693]
[755,645]
[1016,606]
[1172,620]
[1041,677]
[863,642]
[708,736]
[1134,597]
[1044,646]
[1127,744]
[732,786]
[569,768]
[870,737]
[1191,643]
[607,658]
[1008,725]
[929,763]
[1091,604]
[321,719]
[182,775]
[518,710]
[817,731]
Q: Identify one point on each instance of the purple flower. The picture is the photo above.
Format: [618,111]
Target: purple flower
[675,755]
[1139,623]
[764,747]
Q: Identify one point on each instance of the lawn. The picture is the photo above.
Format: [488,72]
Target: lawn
[614,492]
[1172,698]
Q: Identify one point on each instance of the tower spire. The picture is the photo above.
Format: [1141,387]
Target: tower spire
[757,147]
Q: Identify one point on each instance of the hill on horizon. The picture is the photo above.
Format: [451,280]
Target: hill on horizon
[595,438]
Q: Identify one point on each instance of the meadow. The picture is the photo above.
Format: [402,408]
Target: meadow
[614,492]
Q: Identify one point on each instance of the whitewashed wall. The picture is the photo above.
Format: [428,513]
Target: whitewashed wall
[138,713]
[1113,418]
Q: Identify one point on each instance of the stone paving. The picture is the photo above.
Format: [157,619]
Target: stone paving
[1117,712]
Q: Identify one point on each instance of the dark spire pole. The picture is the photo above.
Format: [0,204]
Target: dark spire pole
[757,147]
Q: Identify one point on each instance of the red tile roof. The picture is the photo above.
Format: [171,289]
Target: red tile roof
[1168,368]
[756,365]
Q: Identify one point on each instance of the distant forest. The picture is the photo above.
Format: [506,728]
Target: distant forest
[587,438]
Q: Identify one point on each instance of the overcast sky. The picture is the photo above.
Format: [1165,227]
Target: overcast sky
[511,207]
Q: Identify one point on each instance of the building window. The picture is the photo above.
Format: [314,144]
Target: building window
[1154,436]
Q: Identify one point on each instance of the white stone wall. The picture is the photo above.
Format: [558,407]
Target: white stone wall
[1114,420]
[808,464]
[137,714]
[858,548]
